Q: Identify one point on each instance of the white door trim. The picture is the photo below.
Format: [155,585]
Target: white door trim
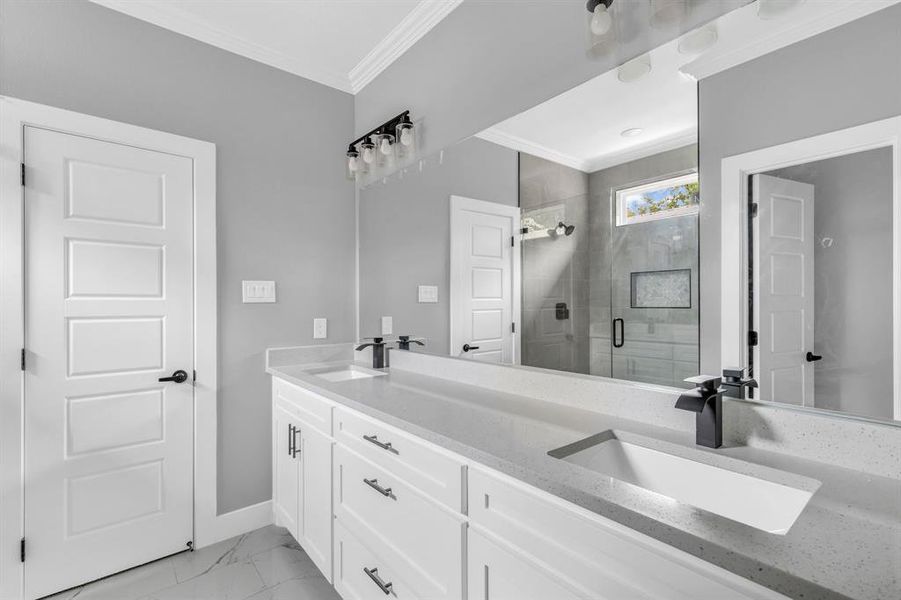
[14,115]
[460,203]
[735,171]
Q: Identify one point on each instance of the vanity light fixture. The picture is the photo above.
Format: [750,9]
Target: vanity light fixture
[377,152]
[600,21]
[773,9]
[635,69]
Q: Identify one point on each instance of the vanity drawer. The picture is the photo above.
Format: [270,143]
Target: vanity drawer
[352,561]
[598,557]
[430,469]
[312,409]
[400,524]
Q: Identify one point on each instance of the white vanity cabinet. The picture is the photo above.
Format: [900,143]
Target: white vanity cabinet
[398,516]
[302,469]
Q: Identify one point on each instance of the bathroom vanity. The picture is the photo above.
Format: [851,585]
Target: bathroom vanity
[420,482]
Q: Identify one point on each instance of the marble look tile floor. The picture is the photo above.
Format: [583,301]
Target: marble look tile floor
[265,564]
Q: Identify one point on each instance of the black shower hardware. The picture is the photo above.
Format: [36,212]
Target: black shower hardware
[561,311]
[561,229]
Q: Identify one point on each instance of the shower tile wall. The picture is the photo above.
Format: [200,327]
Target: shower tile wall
[555,270]
[661,344]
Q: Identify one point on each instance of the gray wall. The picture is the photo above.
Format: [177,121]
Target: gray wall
[490,60]
[405,236]
[284,212]
[555,269]
[844,77]
[852,280]
[662,344]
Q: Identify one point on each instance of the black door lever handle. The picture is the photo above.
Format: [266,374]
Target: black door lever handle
[178,377]
[811,357]
[467,347]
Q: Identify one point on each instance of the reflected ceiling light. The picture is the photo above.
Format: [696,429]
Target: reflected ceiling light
[773,9]
[667,12]
[635,69]
[600,22]
[632,132]
[695,42]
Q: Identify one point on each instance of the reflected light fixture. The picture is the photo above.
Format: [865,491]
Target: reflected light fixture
[600,22]
[666,12]
[773,9]
[632,132]
[635,69]
[377,152]
[699,40]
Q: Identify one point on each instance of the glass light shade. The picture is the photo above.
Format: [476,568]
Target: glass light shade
[367,152]
[667,12]
[406,141]
[601,32]
[601,21]
[384,145]
[773,9]
[353,164]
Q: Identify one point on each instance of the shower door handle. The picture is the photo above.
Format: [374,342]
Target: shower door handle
[622,333]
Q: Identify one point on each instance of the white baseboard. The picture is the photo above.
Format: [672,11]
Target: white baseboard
[234,523]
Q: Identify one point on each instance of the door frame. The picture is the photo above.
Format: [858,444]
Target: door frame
[15,114]
[457,204]
[735,172]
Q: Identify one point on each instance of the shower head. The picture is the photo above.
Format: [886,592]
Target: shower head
[562,229]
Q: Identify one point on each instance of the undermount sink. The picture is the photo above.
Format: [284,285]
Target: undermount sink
[762,497]
[347,373]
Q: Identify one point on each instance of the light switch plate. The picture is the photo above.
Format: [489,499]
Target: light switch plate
[428,294]
[387,325]
[258,291]
[320,328]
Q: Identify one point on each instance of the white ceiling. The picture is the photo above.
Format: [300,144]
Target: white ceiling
[340,43]
[581,128]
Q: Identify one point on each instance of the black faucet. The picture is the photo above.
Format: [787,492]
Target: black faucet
[404,341]
[706,399]
[734,382]
[379,352]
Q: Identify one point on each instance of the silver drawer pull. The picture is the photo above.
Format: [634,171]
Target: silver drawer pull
[374,439]
[374,575]
[374,484]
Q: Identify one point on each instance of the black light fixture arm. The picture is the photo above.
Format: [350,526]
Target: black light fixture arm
[388,126]
[592,4]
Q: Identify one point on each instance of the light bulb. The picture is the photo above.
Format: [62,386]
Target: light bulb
[385,146]
[368,154]
[352,164]
[406,136]
[600,20]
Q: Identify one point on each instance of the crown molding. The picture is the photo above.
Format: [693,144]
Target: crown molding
[679,140]
[170,18]
[495,136]
[823,17]
[410,30]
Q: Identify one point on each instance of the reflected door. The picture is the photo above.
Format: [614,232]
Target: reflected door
[482,260]
[784,289]
[654,300]
[108,447]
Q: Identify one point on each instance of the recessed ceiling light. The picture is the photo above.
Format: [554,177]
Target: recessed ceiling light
[698,40]
[631,132]
[773,9]
[635,69]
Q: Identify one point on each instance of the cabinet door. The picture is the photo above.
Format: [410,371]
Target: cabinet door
[285,467]
[315,517]
[497,573]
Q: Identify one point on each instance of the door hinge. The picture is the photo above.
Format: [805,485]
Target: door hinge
[23,174]
[752,338]
[512,242]
[195,376]
[22,550]
[754,209]
[513,327]
[23,359]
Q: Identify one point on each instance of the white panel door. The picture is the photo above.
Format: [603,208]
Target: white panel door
[784,289]
[483,249]
[108,447]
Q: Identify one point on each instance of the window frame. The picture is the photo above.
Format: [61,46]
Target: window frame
[673,180]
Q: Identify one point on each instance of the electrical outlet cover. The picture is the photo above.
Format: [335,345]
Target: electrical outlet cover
[428,294]
[387,325]
[320,328]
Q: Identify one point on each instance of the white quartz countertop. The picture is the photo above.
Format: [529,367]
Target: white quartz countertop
[845,544]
